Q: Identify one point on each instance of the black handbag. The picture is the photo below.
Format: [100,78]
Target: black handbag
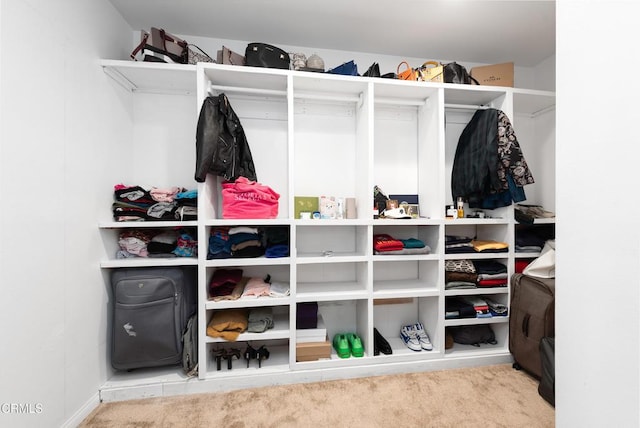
[456,73]
[264,55]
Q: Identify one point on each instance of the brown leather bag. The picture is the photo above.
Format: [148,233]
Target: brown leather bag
[227,56]
[160,46]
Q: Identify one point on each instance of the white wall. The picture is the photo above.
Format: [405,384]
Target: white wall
[598,254]
[58,133]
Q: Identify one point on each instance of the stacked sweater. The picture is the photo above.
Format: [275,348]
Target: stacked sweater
[491,273]
[464,273]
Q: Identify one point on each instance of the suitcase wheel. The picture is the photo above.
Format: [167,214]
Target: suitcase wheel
[517,366]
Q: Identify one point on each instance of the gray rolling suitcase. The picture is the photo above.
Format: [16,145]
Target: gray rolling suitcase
[531,317]
[151,307]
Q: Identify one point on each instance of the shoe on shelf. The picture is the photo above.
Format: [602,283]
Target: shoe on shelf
[355,344]
[341,345]
[423,337]
[410,337]
[380,344]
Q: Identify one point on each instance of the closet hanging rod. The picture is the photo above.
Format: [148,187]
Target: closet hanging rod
[543,111]
[255,91]
[466,106]
[328,97]
[401,101]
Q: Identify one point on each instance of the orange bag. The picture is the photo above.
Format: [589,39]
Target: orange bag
[408,74]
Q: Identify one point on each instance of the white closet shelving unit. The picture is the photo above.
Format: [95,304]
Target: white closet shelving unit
[315,134]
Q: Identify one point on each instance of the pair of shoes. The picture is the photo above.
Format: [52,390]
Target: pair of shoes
[226,354]
[380,344]
[259,354]
[415,337]
[347,344]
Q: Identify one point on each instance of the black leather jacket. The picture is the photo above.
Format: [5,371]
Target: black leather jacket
[221,145]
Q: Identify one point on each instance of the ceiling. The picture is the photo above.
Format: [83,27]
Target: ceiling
[479,31]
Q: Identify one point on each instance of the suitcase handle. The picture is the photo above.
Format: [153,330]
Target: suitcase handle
[525,325]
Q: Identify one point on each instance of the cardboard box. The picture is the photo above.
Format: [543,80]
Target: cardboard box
[313,351]
[494,75]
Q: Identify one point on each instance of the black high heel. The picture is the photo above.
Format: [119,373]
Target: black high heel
[218,354]
[249,353]
[230,355]
[262,354]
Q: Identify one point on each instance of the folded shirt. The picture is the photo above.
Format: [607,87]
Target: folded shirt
[279,289]
[489,246]
[489,266]
[384,242]
[492,283]
[256,287]
[460,265]
[423,250]
[454,285]
[496,308]
[412,243]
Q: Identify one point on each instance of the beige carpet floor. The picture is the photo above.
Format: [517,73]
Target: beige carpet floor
[486,397]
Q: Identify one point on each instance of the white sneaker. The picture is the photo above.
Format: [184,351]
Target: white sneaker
[423,337]
[410,338]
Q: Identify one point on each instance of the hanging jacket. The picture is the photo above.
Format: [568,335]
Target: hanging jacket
[221,145]
[489,168]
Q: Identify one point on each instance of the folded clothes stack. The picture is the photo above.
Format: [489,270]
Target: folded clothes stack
[491,273]
[460,273]
[179,242]
[135,203]
[527,214]
[276,239]
[230,284]
[384,244]
[464,244]
[245,242]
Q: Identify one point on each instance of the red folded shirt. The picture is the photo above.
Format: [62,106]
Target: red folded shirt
[384,242]
[492,282]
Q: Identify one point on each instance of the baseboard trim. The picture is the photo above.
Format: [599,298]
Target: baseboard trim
[82,413]
[166,387]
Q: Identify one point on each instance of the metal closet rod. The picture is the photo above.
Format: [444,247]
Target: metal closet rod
[256,91]
[283,93]
[466,106]
[401,101]
[329,97]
